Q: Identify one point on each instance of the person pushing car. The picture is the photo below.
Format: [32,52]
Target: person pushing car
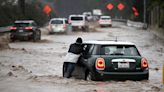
[72,56]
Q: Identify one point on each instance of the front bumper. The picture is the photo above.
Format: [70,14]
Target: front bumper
[122,75]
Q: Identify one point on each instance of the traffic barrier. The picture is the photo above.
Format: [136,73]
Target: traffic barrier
[135,24]
[4,29]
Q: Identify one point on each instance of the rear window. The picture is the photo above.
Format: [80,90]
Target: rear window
[57,22]
[77,18]
[105,18]
[21,24]
[125,50]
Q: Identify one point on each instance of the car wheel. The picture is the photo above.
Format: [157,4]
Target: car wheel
[35,37]
[146,77]
[39,35]
[89,76]
[12,40]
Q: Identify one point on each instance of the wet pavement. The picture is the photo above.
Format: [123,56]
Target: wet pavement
[37,66]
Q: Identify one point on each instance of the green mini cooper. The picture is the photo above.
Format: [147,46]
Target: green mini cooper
[108,60]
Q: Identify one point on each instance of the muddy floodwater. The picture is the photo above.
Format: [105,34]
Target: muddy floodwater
[37,66]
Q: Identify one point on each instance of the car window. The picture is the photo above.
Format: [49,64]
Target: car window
[105,18]
[21,24]
[87,49]
[119,50]
[77,18]
[57,22]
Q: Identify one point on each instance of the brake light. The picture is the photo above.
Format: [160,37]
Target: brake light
[100,64]
[28,28]
[50,27]
[13,28]
[100,21]
[69,21]
[144,63]
[64,26]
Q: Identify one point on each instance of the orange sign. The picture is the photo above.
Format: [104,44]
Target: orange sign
[120,6]
[110,6]
[47,9]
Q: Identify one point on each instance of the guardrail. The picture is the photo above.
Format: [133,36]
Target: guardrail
[4,29]
[136,24]
[120,20]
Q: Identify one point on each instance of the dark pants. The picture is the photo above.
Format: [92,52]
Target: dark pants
[69,70]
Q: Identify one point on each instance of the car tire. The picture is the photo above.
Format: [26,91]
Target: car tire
[85,29]
[39,35]
[89,76]
[146,77]
[12,40]
[36,36]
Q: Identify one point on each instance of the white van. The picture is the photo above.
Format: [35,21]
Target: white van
[78,22]
[57,25]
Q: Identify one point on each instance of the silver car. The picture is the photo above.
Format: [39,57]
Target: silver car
[58,25]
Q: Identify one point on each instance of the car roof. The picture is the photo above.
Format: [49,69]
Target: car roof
[24,21]
[77,16]
[58,19]
[109,42]
[105,17]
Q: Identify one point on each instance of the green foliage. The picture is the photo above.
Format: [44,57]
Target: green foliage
[10,12]
[154,4]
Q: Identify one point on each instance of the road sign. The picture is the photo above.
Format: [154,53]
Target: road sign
[120,6]
[110,6]
[47,9]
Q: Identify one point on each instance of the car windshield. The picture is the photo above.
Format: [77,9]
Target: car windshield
[77,18]
[129,50]
[21,24]
[57,22]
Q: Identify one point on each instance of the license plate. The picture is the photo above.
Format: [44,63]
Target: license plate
[123,65]
[20,30]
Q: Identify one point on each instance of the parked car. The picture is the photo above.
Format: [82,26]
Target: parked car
[108,60]
[105,21]
[78,22]
[25,29]
[58,25]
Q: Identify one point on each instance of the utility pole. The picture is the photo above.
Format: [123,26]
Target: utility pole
[22,6]
[144,14]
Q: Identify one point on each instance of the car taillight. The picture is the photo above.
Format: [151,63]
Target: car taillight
[50,27]
[100,64]
[13,28]
[144,63]
[99,20]
[28,28]
[69,21]
[64,26]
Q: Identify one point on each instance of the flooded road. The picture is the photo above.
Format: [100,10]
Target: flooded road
[37,66]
